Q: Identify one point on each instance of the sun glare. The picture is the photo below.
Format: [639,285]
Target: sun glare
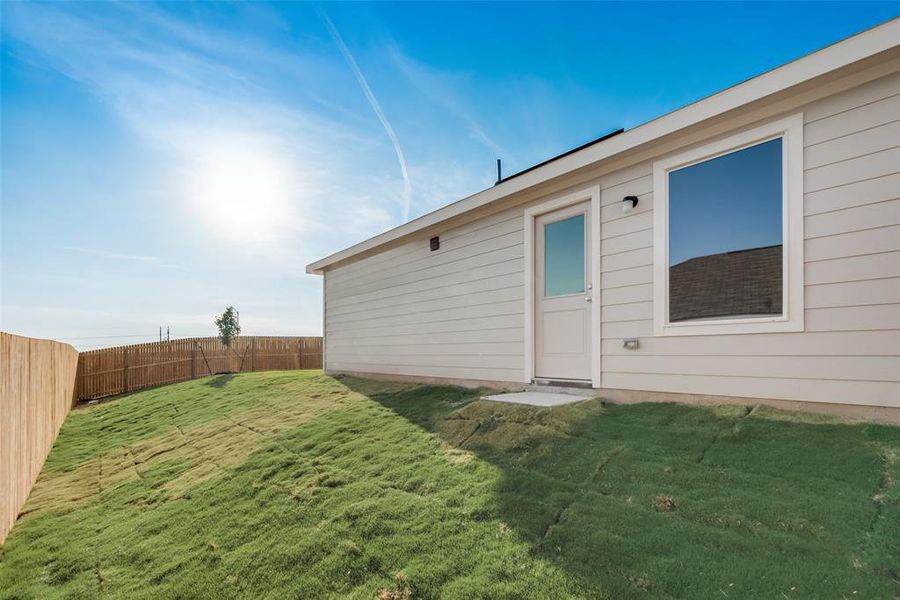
[242,192]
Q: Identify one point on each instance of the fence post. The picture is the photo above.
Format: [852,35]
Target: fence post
[79,381]
[193,361]
[253,354]
[125,369]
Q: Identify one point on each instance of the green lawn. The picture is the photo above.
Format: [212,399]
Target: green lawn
[297,485]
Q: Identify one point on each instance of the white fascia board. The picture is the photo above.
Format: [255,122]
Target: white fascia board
[831,58]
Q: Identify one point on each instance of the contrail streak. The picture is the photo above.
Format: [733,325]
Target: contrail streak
[373,102]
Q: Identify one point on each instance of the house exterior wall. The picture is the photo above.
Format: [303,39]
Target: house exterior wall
[458,312]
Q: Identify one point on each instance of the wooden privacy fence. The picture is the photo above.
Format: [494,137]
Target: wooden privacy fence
[109,371]
[37,380]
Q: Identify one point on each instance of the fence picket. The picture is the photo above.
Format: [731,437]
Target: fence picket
[109,371]
[36,392]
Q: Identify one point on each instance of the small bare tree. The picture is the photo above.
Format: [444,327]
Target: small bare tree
[229,327]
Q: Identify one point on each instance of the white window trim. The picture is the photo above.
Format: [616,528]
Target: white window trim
[591,194]
[790,130]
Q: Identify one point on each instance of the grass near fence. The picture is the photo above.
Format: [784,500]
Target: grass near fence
[290,484]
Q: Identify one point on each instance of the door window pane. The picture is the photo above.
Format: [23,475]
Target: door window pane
[725,236]
[564,256]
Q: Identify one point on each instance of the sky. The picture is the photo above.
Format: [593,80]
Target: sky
[163,161]
[733,202]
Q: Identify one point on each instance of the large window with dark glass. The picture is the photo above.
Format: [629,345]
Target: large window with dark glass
[725,254]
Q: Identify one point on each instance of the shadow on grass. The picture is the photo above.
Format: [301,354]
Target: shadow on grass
[220,380]
[677,501]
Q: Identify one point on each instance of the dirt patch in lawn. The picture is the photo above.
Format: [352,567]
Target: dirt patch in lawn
[664,503]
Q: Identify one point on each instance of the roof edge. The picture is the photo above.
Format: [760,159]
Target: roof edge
[842,53]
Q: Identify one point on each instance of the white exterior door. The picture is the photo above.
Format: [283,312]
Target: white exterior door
[562,320]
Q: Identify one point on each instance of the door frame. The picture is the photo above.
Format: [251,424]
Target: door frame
[591,194]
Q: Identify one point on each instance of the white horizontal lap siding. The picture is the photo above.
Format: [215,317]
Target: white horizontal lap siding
[442,371]
[452,313]
[812,390]
[483,277]
[850,349]
[853,293]
[479,253]
[421,313]
[451,306]
[412,257]
[825,343]
[380,330]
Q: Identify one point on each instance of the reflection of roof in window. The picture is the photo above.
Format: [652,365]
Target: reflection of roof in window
[737,283]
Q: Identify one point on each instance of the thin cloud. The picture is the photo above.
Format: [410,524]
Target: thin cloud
[439,88]
[113,255]
[373,102]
